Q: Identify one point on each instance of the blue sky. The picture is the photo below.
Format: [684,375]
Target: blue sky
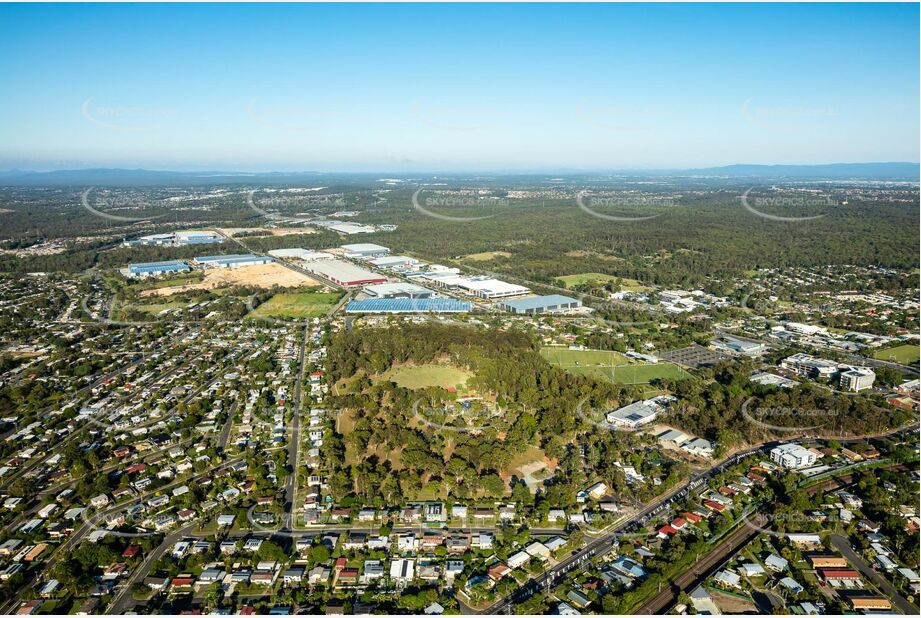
[456,87]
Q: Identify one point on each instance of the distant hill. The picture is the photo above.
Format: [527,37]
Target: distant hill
[830,171]
[140,177]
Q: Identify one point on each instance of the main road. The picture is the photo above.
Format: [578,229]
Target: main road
[124,599]
[603,543]
[294,443]
[842,545]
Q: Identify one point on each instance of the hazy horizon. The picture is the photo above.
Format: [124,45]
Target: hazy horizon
[463,88]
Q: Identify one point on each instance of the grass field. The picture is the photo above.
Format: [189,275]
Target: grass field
[121,308]
[634,374]
[424,376]
[906,354]
[297,305]
[627,285]
[487,255]
[611,366]
[565,358]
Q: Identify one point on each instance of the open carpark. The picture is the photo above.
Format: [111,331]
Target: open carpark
[695,356]
[297,305]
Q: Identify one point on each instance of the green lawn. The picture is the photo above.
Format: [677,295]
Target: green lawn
[627,285]
[120,307]
[566,358]
[906,354]
[424,376]
[634,374]
[611,366]
[297,305]
[158,307]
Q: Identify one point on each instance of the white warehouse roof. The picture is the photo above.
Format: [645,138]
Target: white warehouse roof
[364,247]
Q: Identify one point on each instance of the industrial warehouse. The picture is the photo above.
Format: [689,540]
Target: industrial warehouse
[175,239]
[364,251]
[343,273]
[300,254]
[397,263]
[554,303]
[155,269]
[408,305]
[231,261]
[481,286]
[398,290]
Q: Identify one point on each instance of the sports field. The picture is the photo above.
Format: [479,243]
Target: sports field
[566,358]
[906,354]
[612,366]
[627,285]
[297,305]
[424,376]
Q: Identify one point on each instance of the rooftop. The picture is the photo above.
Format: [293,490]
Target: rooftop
[364,247]
[408,305]
[538,302]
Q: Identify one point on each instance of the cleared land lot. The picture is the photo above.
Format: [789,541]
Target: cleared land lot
[120,308]
[487,255]
[627,285]
[532,466]
[905,354]
[266,231]
[297,305]
[424,376]
[612,366]
[263,276]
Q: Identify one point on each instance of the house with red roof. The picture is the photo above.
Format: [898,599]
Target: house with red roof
[694,518]
[839,575]
[131,551]
[498,571]
[183,581]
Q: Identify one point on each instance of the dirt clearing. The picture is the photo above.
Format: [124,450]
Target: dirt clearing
[261,276]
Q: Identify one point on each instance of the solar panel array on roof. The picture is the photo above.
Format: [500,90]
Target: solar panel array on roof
[408,305]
